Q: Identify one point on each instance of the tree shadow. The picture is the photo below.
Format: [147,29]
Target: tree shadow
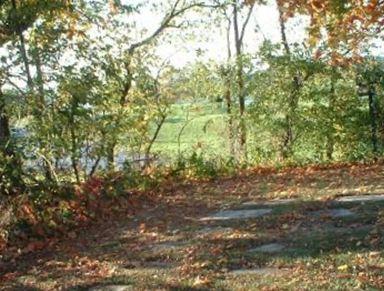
[294,224]
[304,229]
[107,285]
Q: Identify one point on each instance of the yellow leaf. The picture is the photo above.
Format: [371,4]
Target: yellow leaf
[342,268]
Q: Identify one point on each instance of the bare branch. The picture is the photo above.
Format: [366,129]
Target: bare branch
[246,22]
[282,31]
[166,23]
[228,29]
[15,86]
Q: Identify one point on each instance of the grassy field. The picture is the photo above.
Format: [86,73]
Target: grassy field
[203,127]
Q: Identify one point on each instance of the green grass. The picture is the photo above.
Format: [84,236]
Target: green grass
[204,130]
[204,127]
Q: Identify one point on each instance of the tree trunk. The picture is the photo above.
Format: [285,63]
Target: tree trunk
[40,108]
[153,139]
[288,138]
[23,51]
[13,170]
[240,83]
[228,92]
[111,156]
[5,134]
[74,155]
[373,118]
[228,101]
[330,131]
[111,145]
[39,76]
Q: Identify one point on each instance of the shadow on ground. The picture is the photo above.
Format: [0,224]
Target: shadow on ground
[168,247]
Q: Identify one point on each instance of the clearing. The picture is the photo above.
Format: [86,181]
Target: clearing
[260,230]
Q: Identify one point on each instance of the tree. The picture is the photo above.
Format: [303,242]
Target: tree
[347,24]
[16,18]
[239,32]
[176,9]
[370,77]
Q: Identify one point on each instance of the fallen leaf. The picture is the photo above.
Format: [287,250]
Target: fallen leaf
[342,268]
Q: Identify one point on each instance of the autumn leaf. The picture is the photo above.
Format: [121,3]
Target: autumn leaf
[343,268]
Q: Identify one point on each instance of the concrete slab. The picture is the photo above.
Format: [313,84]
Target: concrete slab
[267,271]
[268,248]
[237,214]
[360,198]
[270,203]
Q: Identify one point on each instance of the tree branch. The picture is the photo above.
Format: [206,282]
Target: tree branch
[246,21]
[166,23]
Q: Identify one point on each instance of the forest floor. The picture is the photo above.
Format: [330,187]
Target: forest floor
[301,234]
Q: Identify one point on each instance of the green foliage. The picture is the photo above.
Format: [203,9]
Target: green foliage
[195,166]
[10,175]
[328,119]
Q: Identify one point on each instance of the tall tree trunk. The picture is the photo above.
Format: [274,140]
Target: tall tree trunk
[111,155]
[288,138]
[39,76]
[5,134]
[228,102]
[12,167]
[111,145]
[228,92]
[40,108]
[23,51]
[74,148]
[373,118]
[330,131]
[74,155]
[240,82]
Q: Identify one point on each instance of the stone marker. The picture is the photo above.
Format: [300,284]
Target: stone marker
[237,214]
[334,213]
[268,248]
[361,198]
[215,230]
[271,202]
[259,272]
[168,245]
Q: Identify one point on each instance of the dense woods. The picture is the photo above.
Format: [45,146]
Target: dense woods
[90,107]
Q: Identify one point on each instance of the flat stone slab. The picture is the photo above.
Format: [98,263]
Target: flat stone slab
[334,213]
[268,248]
[215,230]
[237,214]
[259,272]
[167,246]
[361,198]
[113,288]
[271,202]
